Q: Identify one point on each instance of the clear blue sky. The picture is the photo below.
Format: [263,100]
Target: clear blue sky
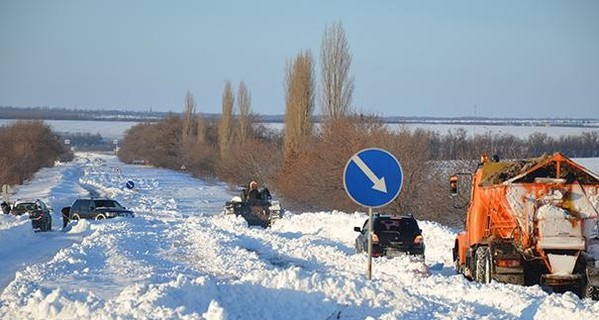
[413,58]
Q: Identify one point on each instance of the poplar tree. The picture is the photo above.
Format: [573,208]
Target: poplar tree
[225,123]
[244,104]
[335,63]
[188,118]
[299,103]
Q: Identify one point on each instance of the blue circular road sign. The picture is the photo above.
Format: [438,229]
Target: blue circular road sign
[373,177]
[130,184]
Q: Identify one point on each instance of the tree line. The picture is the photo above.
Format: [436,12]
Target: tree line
[28,146]
[304,163]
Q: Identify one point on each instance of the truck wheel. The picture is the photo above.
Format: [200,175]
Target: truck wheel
[100,217]
[75,217]
[591,292]
[488,266]
[483,265]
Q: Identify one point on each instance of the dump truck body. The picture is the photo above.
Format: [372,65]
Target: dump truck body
[532,222]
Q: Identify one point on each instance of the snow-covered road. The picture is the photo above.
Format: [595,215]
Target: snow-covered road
[181,258]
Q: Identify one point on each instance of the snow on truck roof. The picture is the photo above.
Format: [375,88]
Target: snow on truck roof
[528,170]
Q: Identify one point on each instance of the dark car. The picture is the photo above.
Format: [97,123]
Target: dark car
[393,235]
[96,208]
[38,212]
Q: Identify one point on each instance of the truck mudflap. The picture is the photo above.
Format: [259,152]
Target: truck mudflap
[513,275]
[508,264]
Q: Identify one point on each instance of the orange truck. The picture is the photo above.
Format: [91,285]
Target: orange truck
[530,222]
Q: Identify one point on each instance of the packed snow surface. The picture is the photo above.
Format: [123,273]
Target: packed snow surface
[181,258]
[117,129]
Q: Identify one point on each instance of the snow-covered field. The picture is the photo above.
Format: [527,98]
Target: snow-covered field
[107,129]
[116,129]
[181,258]
[520,131]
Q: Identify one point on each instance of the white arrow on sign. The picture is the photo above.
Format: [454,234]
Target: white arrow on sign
[378,184]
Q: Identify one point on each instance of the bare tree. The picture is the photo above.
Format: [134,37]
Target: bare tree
[244,103]
[299,103]
[335,62]
[202,130]
[225,124]
[188,118]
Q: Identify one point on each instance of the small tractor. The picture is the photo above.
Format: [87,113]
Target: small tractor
[258,212]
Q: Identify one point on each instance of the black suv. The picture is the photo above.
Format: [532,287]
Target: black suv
[393,235]
[96,208]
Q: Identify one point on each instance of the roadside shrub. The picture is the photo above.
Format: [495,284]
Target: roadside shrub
[28,146]
[154,143]
[258,158]
[160,144]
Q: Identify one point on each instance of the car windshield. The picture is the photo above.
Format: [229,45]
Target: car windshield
[26,206]
[107,204]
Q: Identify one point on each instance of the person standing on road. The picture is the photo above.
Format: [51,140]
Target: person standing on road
[5,207]
[65,216]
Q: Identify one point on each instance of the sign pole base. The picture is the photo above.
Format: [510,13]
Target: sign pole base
[370,233]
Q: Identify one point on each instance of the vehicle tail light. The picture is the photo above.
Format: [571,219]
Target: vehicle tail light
[376,254]
[508,263]
[375,238]
[419,240]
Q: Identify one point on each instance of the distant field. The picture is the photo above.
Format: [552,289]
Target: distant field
[107,129]
[515,130]
[518,131]
[116,129]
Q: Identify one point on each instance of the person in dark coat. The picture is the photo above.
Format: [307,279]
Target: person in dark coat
[5,207]
[254,195]
[65,216]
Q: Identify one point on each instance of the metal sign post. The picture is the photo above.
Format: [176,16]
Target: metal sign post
[370,233]
[372,178]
